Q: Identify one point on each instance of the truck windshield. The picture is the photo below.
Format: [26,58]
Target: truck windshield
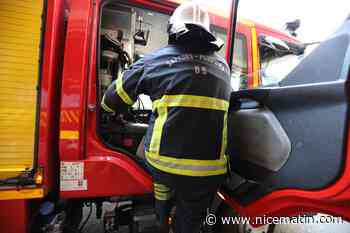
[275,69]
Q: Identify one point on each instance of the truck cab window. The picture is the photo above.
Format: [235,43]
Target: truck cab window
[275,70]
[240,63]
[127,34]
[220,33]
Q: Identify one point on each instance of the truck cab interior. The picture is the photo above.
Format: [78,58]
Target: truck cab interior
[126,34]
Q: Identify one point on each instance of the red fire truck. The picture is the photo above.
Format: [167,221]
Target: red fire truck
[288,144]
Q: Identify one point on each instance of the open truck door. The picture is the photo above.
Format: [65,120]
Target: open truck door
[289,145]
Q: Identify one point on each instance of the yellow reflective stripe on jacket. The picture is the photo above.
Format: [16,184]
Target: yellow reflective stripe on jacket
[193,102]
[158,128]
[224,136]
[187,162]
[122,93]
[188,170]
[104,105]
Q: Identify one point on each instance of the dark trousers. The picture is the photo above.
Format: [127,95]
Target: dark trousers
[192,197]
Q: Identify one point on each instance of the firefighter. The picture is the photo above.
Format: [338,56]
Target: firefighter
[189,85]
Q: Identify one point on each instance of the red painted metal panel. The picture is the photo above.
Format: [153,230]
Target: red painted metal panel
[14,216]
[112,175]
[50,91]
[76,62]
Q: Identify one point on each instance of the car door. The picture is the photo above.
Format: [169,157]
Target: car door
[288,145]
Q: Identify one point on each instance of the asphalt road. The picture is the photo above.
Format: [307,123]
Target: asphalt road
[96,226]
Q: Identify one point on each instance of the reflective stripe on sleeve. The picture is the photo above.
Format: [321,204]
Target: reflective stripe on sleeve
[105,107]
[122,93]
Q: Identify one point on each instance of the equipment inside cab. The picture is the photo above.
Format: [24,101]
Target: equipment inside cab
[141,36]
[143,32]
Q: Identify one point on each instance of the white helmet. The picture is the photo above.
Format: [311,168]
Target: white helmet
[191,17]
